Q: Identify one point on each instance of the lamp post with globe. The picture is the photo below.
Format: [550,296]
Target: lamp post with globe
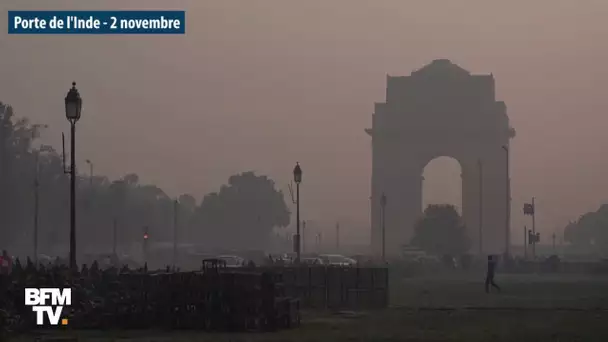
[73,109]
[297,177]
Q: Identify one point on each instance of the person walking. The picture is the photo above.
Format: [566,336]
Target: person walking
[490,274]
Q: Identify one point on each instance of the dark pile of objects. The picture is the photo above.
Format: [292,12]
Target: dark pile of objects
[214,299]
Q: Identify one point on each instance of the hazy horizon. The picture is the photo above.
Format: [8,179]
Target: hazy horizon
[261,85]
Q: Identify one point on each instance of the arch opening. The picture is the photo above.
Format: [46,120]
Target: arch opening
[442,183]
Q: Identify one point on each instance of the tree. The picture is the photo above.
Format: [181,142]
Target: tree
[187,202]
[590,231]
[243,213]
[17,169]
[440,231]
[98,202]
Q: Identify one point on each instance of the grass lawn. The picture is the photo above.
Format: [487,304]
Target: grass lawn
[518,291]
[439,308]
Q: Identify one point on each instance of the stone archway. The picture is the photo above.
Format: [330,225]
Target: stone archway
[440,110]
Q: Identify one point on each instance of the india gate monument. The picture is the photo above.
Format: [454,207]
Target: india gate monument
[440,110]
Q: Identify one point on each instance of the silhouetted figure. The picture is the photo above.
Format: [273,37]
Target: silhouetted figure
[490,274]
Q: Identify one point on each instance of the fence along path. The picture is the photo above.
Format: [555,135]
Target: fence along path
[320,287]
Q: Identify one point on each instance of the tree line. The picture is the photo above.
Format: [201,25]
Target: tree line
[590,232]
[242,214]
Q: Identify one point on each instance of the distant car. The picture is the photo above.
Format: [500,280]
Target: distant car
[411,254]
[105,260]
[45,260]
[232,260]
[337,260]
[427,259]
[312,261]
[281,259]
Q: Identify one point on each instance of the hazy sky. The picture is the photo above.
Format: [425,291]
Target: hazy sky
[261,84]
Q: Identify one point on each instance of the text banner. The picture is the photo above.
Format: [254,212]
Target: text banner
[96,22]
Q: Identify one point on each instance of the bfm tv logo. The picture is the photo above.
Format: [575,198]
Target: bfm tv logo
[37,298]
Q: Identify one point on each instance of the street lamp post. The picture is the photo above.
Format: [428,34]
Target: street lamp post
[175,215]
[534,229]
[480,169]
[525,243]
[297,177]
[145,246]
[383,224]
[508,205]
[36,152]
[338,237]
[36,208]
[319,241]
[90,196]
[114,238]
[73,109]
[533,238]
[303,237]
[90,172]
